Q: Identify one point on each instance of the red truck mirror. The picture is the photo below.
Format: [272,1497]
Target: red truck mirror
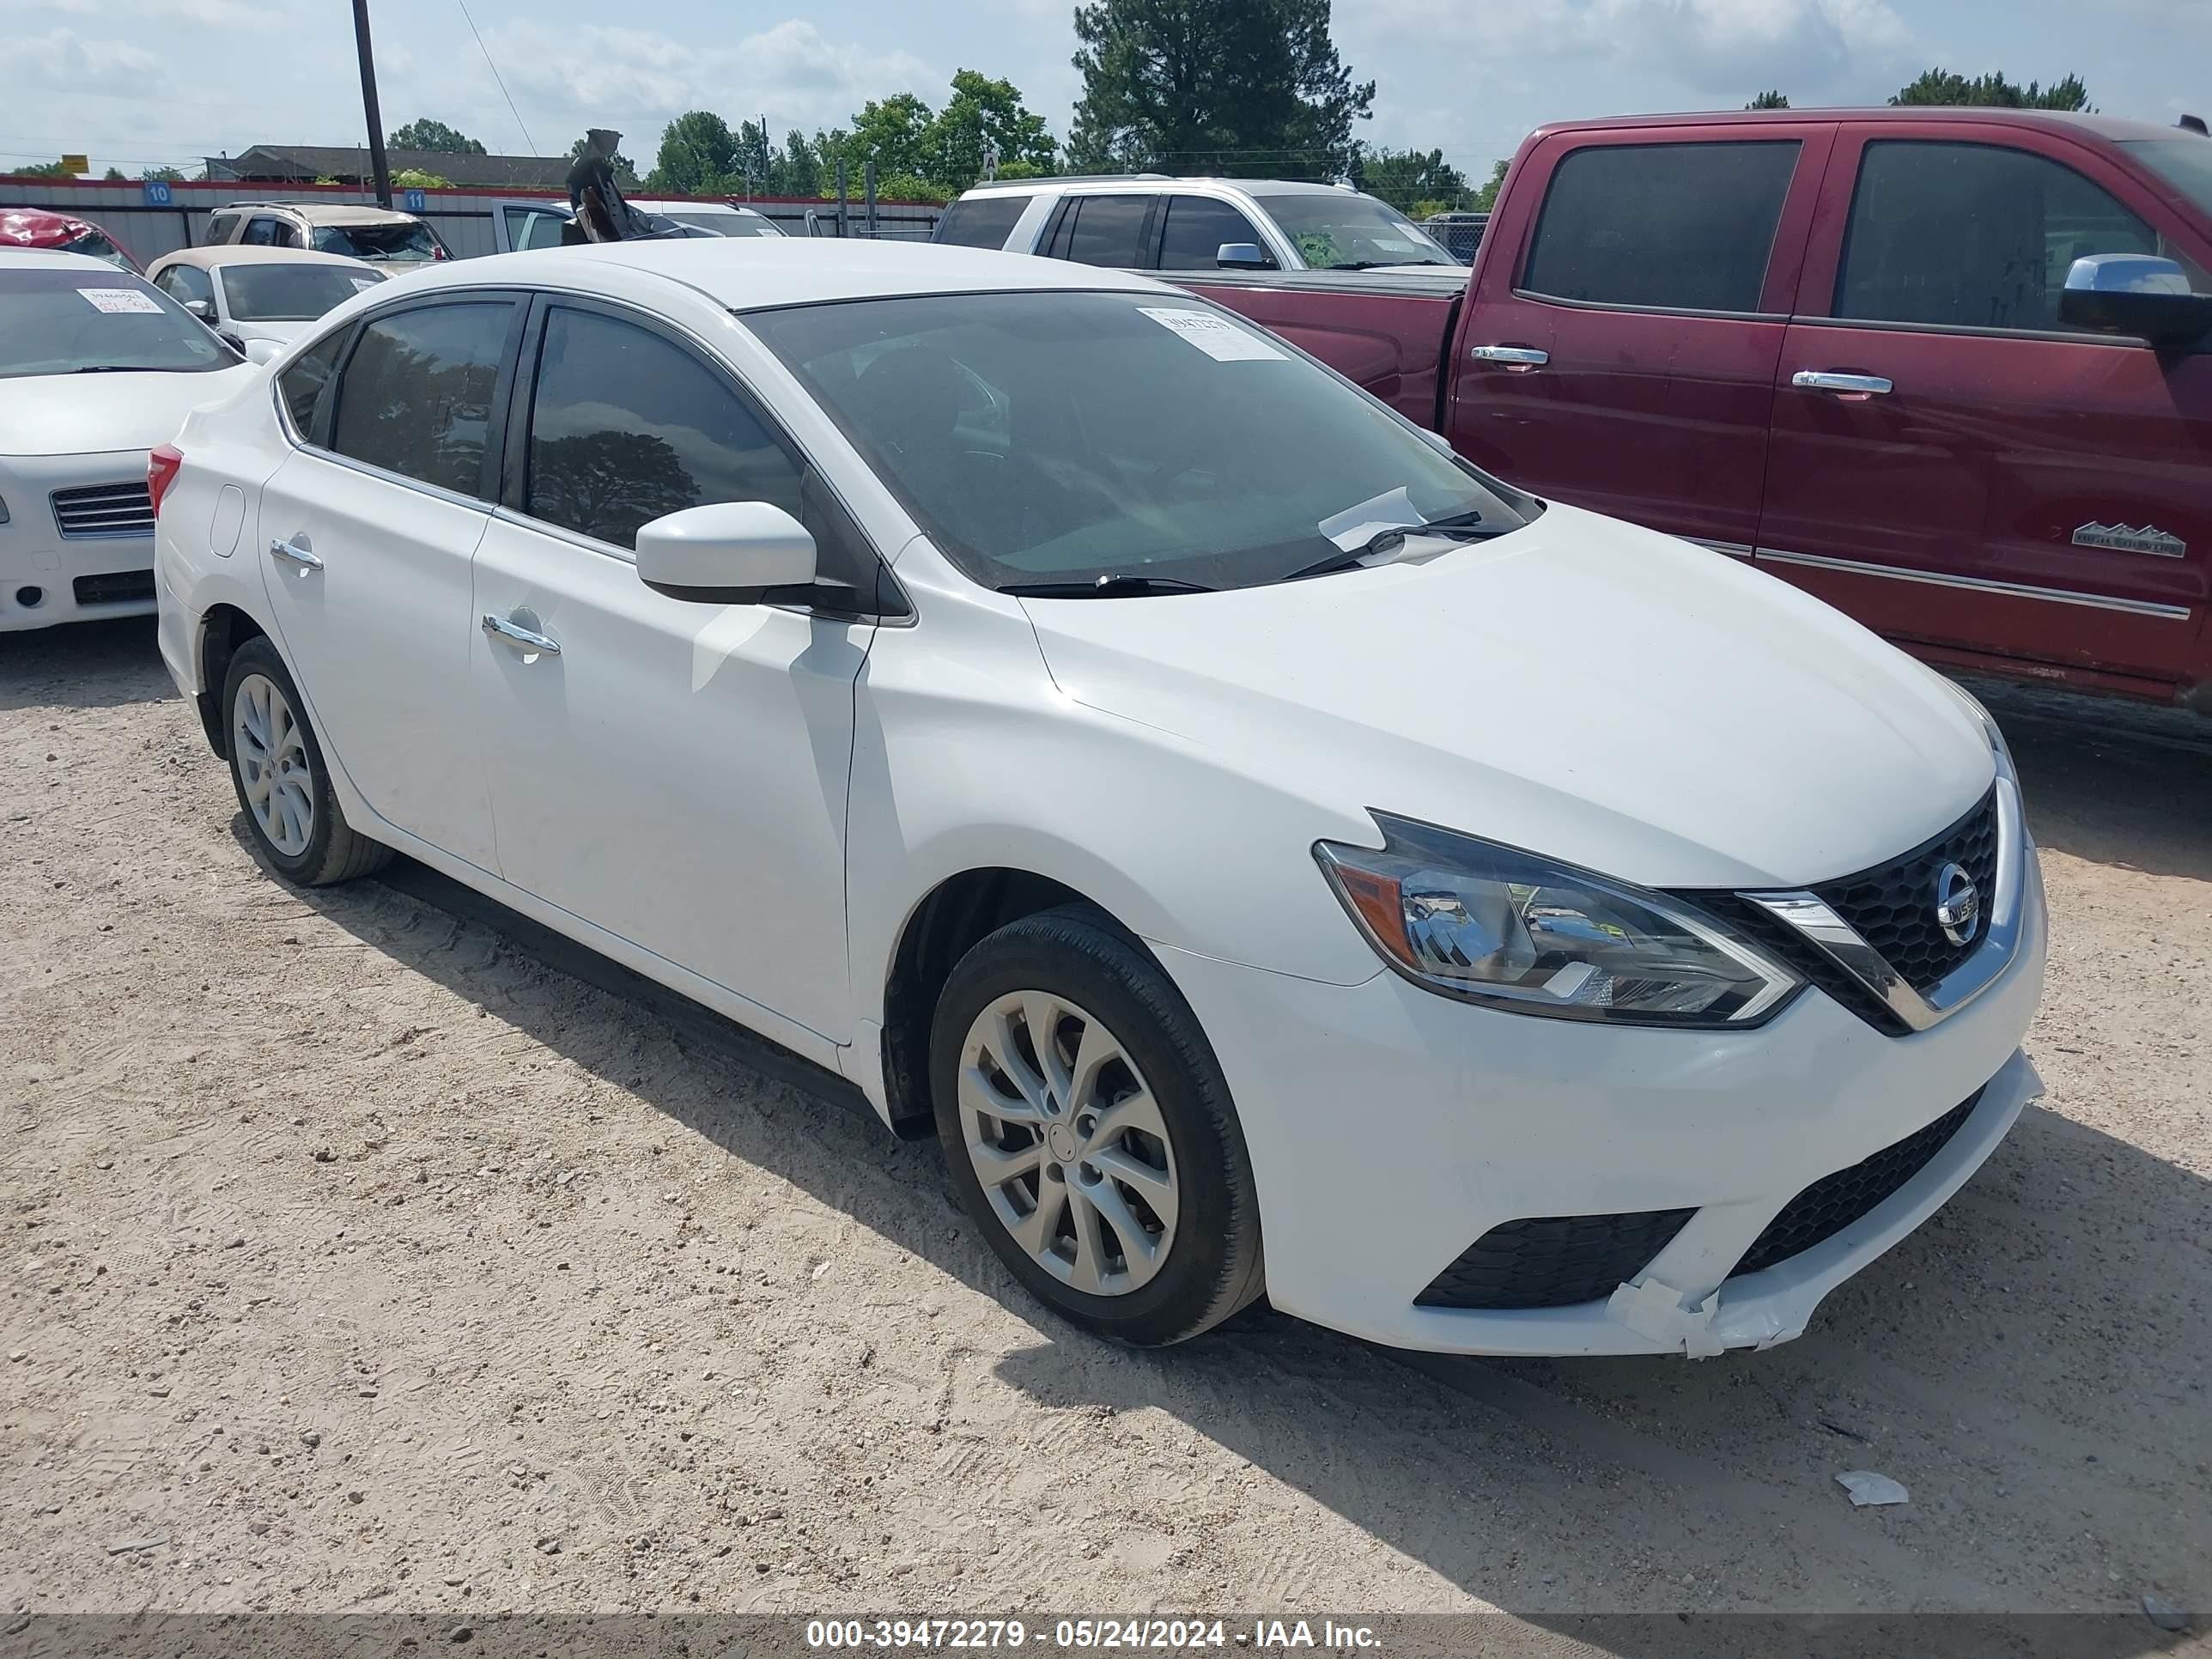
[2136,294]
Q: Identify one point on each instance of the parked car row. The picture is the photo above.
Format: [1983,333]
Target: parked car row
[892,647]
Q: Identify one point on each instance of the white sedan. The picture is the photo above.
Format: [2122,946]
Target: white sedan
[1107,737]
[245,293]
[95,368]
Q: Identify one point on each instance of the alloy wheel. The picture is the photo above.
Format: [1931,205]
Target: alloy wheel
[273,764]
[1068,1143]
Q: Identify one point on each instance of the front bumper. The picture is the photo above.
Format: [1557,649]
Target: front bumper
[47,578]
[1390,1128]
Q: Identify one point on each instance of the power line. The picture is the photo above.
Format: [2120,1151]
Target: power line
[494,68]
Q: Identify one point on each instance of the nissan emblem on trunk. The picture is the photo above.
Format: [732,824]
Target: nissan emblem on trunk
[1958,905]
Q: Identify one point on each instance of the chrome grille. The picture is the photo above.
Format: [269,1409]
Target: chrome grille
[111,509]
[1893,906]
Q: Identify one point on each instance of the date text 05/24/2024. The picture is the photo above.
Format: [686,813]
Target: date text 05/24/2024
[1141,1633]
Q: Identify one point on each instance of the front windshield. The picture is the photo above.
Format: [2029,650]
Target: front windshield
[82,322]
[278,293]
[397,240]
[724,224]
[94,246]
[1071,438]
[2184,162]
[1336,230]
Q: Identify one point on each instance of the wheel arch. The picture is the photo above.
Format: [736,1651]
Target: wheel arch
[223,628]
[947,922]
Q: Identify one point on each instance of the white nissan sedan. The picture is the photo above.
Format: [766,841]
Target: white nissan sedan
[96,367]
[1108,738]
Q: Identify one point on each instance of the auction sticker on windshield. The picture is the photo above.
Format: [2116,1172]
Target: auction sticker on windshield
[119,299]
[1219,339]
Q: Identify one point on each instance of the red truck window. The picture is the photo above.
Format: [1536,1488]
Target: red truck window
[1679,226]
[1970,235]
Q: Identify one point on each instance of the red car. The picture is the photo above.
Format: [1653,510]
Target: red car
[60,233]
[1950,369]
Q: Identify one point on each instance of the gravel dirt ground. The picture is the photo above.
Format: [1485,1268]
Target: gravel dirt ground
[368,1257]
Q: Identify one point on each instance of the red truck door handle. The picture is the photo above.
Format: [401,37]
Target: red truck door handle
[1854,386]
[1519,359]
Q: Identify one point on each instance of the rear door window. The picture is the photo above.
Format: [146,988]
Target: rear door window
[981,221]
[261,231]
[302,385]
[1677,226]
[1103,230]
[1975,236]
[418,393]
[1197,228]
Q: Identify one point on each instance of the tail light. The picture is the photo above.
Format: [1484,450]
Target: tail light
[162,468]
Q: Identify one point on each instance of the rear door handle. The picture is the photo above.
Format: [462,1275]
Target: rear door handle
[1517,357]
[1827,380]
[519,636]
[296,553]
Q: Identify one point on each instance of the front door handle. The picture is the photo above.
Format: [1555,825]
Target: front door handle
[296,553]
[1521,357]
[523,638]
[1826,379]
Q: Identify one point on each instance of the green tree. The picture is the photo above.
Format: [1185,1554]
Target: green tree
[698,151]
[625,170]
[112,176]
[1253,87]
[45,170]
[427,134]
[1409,179]
[980,111]
[1772,101]
[170,174]
[894,133]
[415,178]
[1484,199]
[907,187]
[1940,86]
[802,167]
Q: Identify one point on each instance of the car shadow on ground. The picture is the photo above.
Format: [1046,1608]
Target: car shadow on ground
[2030,1363]
[99,665]
[2111,782]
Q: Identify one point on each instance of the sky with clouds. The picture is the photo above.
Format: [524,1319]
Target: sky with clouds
[137,81]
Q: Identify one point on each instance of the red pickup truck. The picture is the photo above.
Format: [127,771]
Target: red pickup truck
[1951,370]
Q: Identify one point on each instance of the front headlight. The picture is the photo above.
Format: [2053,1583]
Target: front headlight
[1471,919]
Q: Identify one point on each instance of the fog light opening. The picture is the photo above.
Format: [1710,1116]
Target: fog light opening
[30,597]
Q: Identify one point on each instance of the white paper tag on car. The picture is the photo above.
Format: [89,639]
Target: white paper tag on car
[1216,336]
[363,284]
[119,299]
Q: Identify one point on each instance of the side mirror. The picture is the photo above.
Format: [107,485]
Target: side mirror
[728,552]
[262,351]
[1242,256]
[202,309]
[2136,294]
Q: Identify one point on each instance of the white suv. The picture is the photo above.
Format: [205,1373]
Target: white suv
[1149,222]
[382,236]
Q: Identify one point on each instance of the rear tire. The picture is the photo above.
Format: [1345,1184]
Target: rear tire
[284,786]
[1104,1163]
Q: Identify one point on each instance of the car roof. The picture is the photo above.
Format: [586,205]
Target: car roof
[20,225]
[249,253]
[51,259]
[1152,184]
[2049,120]
[756,272]
[327,213]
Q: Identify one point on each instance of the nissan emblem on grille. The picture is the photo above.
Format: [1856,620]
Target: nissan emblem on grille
[1958,904]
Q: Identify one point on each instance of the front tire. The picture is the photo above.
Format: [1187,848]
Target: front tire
[276,766]
[1090,1133]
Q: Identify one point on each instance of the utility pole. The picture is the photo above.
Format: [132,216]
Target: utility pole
[382,167]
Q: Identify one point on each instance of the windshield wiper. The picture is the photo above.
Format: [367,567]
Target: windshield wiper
[116,369]
[1105,587]
[1459,527]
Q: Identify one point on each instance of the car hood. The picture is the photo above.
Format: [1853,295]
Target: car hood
[86,414]
[1581,688]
